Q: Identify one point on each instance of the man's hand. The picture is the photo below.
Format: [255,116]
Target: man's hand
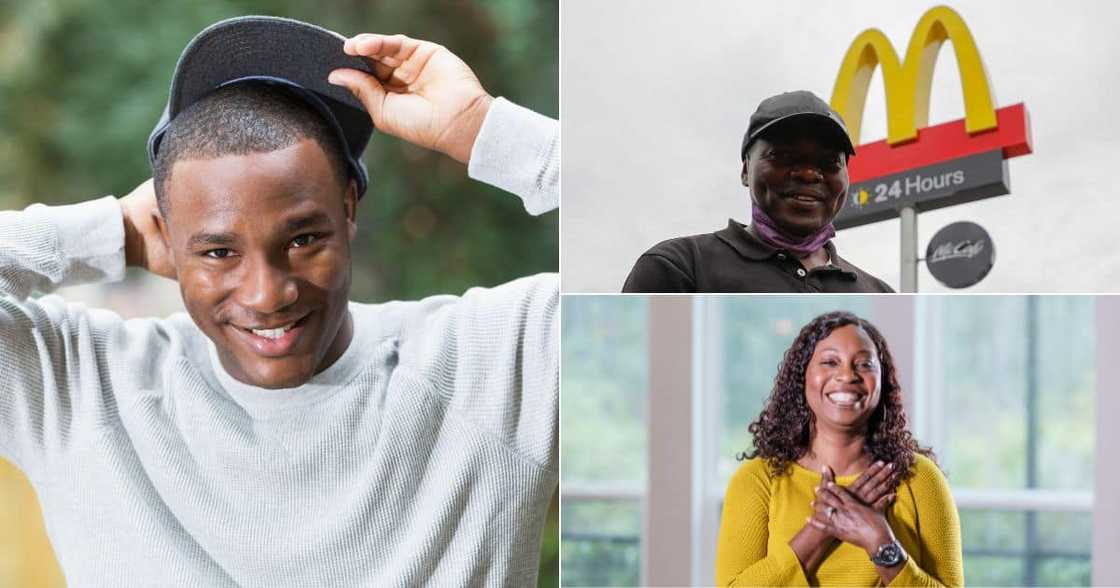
[143,244]
[422,92]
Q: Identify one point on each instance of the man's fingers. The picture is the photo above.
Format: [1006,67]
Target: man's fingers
[383,72]
[392,50]
[409,71]
[362,85]
[397,60]
[372,45]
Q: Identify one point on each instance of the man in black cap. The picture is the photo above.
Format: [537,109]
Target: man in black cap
[795,156]
[278,434]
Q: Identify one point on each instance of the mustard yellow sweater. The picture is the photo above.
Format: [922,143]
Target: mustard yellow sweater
[761,513]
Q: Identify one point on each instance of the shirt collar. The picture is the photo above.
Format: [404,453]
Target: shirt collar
[750,247]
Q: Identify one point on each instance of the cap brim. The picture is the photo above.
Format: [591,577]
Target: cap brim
[841,132]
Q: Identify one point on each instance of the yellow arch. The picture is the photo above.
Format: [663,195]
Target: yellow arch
[908,86]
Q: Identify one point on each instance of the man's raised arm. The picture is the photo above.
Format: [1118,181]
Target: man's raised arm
[45,247]
[44,342]
[49,347]
[506,339]
[426,95]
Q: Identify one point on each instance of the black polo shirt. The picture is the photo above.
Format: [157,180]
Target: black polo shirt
[733,260]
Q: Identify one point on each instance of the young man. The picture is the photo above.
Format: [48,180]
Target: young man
[795,163]
[277,434]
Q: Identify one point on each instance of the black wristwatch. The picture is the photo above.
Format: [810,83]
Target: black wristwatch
[889,555]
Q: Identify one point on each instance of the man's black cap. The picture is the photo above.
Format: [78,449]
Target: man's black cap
[264,49]
[776,109]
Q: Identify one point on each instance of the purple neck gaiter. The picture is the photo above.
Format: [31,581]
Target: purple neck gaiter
[768,231]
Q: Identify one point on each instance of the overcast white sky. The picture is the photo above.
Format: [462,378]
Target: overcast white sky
[655,97]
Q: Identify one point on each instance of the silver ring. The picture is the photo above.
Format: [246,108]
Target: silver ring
[831,511]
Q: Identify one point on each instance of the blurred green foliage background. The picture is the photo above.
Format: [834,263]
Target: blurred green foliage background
[82,83]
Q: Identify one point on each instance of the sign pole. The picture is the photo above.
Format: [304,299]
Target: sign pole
[909,217]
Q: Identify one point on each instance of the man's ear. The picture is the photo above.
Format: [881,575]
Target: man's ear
[350,201]
[165,238]
[841,200]
[164,232]
[746,171]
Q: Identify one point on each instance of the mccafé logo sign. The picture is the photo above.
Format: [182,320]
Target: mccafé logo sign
[918,165]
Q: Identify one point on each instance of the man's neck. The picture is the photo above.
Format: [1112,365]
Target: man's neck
[817,258]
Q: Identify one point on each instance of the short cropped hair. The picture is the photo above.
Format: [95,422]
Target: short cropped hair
[240,119]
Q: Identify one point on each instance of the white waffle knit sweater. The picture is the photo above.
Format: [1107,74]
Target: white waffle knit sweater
[427,454]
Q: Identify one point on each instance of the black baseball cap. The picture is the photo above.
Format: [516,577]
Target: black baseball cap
[776,109]
[288,53]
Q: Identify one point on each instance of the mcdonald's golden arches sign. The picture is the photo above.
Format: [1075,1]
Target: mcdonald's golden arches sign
[919,165]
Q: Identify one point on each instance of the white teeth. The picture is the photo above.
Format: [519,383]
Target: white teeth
[272,333]
[843,397]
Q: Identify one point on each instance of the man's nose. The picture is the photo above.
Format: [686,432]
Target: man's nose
[267,288]
[807,173]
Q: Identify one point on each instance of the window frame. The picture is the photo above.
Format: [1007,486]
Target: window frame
[666,559]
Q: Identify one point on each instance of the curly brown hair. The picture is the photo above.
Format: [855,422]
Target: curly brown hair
[782,433]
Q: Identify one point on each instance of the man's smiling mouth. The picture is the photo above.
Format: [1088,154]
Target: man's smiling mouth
[272,341]
[272,333]
[804,197]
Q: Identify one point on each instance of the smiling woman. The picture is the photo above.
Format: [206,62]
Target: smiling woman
[836,491]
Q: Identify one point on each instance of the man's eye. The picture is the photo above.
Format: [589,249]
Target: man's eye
[304,240]
[217,253]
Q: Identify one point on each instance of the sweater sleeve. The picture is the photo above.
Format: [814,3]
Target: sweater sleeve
[939,533]
[493,355]
[743,557]
[46,247]
[41,249]
[518,151]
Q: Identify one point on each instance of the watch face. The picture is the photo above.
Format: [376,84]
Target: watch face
[889,555]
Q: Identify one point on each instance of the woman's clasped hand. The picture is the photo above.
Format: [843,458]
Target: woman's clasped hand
[856,514]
